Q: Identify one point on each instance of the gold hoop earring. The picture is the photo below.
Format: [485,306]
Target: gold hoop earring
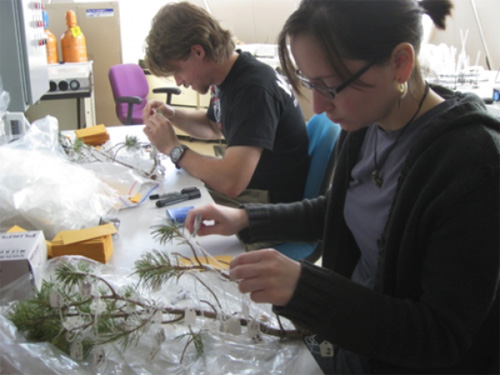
[403,90]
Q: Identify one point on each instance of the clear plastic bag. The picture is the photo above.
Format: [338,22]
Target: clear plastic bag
[4,104]
[40,189]
[223,353]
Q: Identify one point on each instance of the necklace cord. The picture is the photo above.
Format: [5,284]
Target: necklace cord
[377,180]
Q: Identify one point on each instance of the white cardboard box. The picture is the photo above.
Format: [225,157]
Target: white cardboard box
[22,253]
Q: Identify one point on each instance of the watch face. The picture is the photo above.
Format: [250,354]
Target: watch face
[176,152]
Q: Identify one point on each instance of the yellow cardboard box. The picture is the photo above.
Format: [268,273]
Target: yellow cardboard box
[95,243]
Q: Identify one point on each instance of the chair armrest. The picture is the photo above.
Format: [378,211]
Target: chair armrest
[169,91]
[130,100]
[166,90]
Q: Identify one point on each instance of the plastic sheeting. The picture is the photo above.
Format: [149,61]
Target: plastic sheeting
[41,190]
[224,353]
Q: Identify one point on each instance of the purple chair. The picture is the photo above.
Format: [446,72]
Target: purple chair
[130,89]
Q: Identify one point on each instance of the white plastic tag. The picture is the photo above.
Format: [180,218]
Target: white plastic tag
[157,317]
[98,357]
[190,317]
[154,351]
[160,335]
[76,350]
[56,300]
[253,331]
[98,306]
[73,322]
[130,307]
[85,289]
[326,349]
[233,326]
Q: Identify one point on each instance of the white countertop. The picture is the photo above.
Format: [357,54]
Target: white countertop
[222,351]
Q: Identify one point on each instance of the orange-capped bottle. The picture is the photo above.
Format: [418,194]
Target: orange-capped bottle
[73,44]
[52,57]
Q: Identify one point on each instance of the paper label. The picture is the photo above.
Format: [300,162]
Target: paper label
[76,31]
[56,300]
[99,12]
[326,349]
[233,326]
[253,331]
[190,317]
[98,357]
[157,317]
[160,335]
[85,289]
[76,351]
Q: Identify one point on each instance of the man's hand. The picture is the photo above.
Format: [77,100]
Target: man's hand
[161,133]
[157,107]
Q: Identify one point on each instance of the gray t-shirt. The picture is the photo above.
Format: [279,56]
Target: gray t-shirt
[367,206]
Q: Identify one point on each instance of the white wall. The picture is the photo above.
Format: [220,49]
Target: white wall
[259,21]
[463,18]
[251,21]
[136,16]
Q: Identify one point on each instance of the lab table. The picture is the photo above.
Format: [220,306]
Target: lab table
[133,240]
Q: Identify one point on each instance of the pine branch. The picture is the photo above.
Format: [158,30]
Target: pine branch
[193,338]
[169,231]
[81,151]
[82,304]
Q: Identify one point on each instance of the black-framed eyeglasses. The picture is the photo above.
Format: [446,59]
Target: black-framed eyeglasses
[332,91]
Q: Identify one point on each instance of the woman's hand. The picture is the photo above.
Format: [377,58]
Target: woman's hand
[217,219]
[268,275]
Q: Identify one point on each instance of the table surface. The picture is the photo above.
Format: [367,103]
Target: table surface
[135,223]
[134,237]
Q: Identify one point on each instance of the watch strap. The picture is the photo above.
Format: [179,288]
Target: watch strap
[183,149]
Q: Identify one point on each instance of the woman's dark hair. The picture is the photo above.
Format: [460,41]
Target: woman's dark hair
[358,29]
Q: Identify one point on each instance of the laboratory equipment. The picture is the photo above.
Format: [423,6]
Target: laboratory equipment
[23,58]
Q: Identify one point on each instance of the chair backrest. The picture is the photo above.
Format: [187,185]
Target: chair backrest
[322,135]
[129,80]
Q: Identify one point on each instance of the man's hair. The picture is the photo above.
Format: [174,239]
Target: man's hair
[176,28]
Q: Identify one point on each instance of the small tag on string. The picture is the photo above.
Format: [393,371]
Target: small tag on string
[157,317]
[326,349]
[253,331]
[98,306]
[56,300]
[76,350]
[154,351]
[98,356]
[190,317]
[85,289]
[233,326]
[160,335]
[73,322]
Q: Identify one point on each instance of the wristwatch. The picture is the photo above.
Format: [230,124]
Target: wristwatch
[177,153]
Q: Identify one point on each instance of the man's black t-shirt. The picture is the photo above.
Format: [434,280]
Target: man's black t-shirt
[254,106]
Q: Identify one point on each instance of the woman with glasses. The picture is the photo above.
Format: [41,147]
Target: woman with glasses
[410,226]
